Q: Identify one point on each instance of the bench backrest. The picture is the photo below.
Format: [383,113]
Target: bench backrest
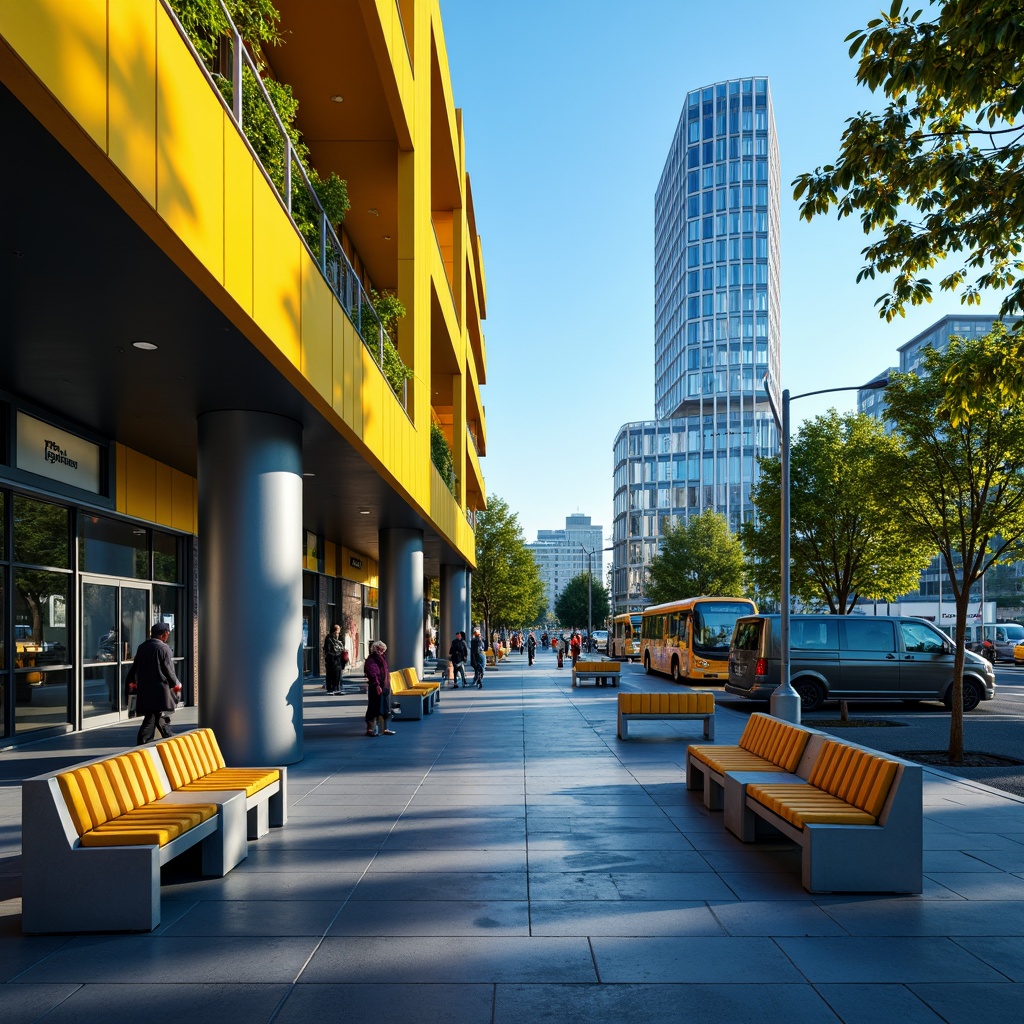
[597,666]
[410,677]
[397,681]
[98,792]
[190,756]
[667,703]
[856,776]
[774,740]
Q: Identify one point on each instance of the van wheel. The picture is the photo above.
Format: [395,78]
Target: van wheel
[647,664]
[675,670]
[972,696]
[811,694]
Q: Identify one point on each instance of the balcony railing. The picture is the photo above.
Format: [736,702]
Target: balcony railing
[296,192]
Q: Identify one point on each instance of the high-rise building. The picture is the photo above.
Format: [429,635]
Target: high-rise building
[716,325]
[562,554]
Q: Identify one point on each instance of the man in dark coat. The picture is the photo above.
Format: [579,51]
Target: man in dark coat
[157,687]
[457,655]
[476,658]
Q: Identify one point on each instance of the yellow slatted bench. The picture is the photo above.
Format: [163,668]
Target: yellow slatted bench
[661,706]
[194,764]
[602,672]
[432,689]
[767,745]
[412,703]
[95,836]
[857,818]
[489,659]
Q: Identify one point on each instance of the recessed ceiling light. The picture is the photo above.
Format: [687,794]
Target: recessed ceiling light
[373,211]
[364,511]
[309,474]
[337,99]
[387,238]
[145,346]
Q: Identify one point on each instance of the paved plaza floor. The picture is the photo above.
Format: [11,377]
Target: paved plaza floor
[508,860]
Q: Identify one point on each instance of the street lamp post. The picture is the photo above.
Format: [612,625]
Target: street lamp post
[590,594]
[785,701]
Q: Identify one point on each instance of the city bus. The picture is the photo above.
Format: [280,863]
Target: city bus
[689,640]
[624,637]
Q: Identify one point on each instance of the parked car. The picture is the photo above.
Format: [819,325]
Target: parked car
[601,640]
[850,657]
[999,639]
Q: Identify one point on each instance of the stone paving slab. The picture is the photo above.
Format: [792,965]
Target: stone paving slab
[508,859]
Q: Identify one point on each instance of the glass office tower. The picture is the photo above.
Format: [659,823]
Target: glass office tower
[716,326]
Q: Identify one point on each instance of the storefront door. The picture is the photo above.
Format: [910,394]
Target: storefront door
[115,620]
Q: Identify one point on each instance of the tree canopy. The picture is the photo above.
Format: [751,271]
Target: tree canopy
[958,488]
[844,544]
[696,558]
[937,173]
[507,588]
[571,606]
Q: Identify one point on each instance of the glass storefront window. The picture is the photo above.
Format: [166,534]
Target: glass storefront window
[167,560]
[41,649]
[41,699]
[169,607]
[40,533]
[111,548]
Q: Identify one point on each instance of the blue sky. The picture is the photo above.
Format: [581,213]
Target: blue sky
[569,109]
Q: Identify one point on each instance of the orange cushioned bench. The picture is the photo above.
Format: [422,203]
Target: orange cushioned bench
[767,745]
[662,706]
[855,813]
[95,837]
[194,764]
[602,672]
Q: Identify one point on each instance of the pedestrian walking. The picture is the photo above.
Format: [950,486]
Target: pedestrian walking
[457,655]
[156,686]
[531,648]
[476,659]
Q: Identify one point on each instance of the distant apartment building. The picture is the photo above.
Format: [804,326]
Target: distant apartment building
[1002,580]
[717,329]
[562,554]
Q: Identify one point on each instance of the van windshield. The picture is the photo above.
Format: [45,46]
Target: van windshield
[1014,632]
[713,623]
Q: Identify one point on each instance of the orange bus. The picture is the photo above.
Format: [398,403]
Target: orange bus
[689,640]
[624,637]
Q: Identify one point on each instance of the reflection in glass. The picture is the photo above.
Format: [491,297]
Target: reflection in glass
[3,532]
[168,607]
[112,548]
[40,615]
[40,533]
[166,557]
[41,697]
[99,691]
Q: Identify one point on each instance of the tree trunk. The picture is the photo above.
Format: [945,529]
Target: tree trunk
[844,711]
[956,715]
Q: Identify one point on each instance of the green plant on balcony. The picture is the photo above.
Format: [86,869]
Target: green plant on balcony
[257,22]
[441,455]
[389,311]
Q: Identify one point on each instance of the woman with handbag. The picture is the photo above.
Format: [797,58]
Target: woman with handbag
[378,691]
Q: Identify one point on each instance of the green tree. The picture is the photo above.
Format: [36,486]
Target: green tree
[507,588]
[937,173]
[958,488]
[571,606]
[844,544]
[701,557]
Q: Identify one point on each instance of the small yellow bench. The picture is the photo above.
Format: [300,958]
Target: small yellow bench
[94,838]
[414,698]
[667,706]
[490,660]
[602,672]
[194,764]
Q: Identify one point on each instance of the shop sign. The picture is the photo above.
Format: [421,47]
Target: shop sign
[58,455]
[356,563]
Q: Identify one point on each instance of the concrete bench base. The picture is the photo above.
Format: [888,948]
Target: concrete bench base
[708,720]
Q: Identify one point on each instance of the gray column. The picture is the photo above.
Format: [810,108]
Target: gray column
[250,585]
[401,597]
[454,606]
[469,604]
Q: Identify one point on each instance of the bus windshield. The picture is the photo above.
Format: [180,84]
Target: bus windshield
[713,623]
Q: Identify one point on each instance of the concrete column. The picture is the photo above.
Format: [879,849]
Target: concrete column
[454,605]
[401,597]
[469,604]
[250,585]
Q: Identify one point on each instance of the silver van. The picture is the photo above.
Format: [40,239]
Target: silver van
[853,657]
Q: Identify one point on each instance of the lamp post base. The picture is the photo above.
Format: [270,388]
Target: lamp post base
[784,704]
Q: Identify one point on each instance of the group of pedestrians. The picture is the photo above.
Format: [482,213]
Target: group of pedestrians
[459,653]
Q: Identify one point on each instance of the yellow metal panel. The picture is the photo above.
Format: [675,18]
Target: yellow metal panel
[183,502]
[239,173]
[348,372]
[120,474]
[132,92]
[64,42]
[277,279]
[317,335]
[330,558]
[164,495]
[190,154]
[141,486]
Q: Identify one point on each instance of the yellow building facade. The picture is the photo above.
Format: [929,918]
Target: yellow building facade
[197,418]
